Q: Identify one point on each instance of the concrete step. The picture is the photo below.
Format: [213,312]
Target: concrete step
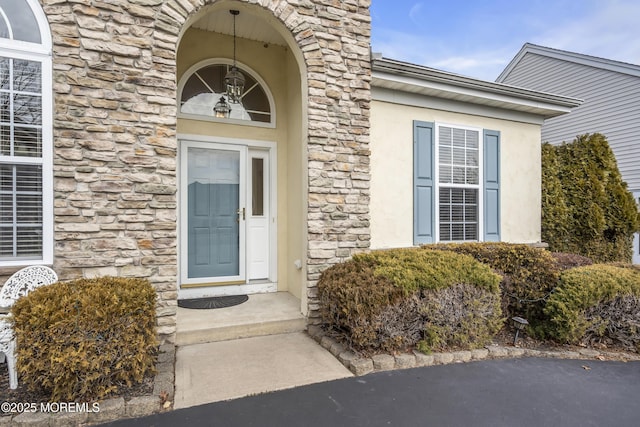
[262,314]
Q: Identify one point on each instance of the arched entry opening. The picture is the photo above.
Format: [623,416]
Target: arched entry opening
[242,178]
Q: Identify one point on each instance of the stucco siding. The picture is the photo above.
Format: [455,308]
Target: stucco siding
[391,204]
[611,105]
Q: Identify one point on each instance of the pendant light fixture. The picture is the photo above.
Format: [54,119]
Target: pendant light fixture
[222,109]
[234,80]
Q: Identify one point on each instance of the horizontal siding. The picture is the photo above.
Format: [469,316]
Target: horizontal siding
[609,125]
[551,75]
[611,106]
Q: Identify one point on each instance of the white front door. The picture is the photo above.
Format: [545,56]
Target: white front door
[224,219]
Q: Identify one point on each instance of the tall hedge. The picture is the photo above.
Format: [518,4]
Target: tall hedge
[586,206]
[556,217]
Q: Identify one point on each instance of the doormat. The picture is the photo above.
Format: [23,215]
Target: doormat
[212,302]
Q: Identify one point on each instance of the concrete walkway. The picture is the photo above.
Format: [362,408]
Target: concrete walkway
[250,348]
[224,370]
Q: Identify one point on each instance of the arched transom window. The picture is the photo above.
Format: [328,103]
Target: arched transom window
[17,22]
[26,183]
[203,86]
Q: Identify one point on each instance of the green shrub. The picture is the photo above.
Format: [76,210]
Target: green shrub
[529,275]
[448,326]
[83,339]
[565,261]
[350,296]
[616,321]
[596,302]
[556,215]
[390,300]
[586,207]
[398,326]
[412,269]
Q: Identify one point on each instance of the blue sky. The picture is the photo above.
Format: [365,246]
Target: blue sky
[478,38]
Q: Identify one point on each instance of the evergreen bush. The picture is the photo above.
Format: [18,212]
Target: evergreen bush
[529,275]
[391,300]
[565,261]
[81,340]
[586,207]
[597,303]
[556,216]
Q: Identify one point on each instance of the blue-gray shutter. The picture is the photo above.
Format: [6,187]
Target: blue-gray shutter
[423,183]
[491,185]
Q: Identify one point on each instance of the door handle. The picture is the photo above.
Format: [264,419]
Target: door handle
[241,213]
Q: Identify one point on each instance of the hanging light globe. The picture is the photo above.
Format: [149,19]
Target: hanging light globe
[234,82]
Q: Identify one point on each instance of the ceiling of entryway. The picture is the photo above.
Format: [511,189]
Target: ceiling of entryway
[248,26]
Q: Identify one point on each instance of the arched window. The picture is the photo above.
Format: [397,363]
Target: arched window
[26,182]
[18,22]
[203,85]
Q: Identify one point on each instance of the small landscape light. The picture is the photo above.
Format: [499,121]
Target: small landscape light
[520,324]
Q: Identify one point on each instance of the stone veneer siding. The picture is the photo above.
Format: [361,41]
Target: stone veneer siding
[114,82]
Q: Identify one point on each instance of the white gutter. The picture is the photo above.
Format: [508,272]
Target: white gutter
[411,78]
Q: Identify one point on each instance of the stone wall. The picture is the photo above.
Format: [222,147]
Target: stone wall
[115,146]
[115,135]
[339,77]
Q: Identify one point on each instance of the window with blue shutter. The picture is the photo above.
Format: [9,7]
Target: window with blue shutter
[453,168]
[491,186]
[423,183]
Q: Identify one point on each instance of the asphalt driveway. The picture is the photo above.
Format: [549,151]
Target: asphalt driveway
[516,392]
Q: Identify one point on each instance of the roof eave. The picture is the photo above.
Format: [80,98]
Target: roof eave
[564,55]
[417,79]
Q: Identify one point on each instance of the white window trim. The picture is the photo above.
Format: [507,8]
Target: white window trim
[224,61]
[479,186]
[44,47]
[41,53]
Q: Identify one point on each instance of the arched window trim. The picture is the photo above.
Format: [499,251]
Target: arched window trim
[43,48]
[224,61]
[5,18]
[40,52]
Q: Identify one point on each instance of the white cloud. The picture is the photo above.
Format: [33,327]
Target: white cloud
[414,12]
[437,53]
[469,63]
[609,29]
[402,46]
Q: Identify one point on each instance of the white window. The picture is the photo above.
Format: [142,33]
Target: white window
[202,86]
[26,217]
[458,154]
